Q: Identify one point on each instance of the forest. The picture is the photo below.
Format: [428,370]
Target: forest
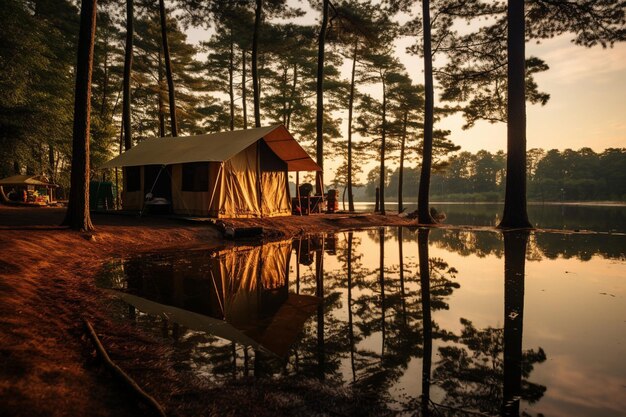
[339,87]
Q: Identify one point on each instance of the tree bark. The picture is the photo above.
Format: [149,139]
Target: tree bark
[161,103]
[258,15]
[294,85]
[168,69]
[383,145]
[244,90]
[128,65]
[350,111]
[319,119]
[401,172]
[515,213]
[77,216]
[231,70]
[423,213]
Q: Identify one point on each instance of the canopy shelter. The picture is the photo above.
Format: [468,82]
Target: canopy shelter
[239,294]
[228,174]
[27,189]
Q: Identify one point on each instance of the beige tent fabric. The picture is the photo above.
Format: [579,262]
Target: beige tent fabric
[188,202]
[238,194]
[216,147]
[275,269]
[23,180]
[275,194]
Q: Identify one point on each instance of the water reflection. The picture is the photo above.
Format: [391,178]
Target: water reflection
[423,321]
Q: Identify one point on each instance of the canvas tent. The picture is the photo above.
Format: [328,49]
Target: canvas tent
[30,184]
[228,174]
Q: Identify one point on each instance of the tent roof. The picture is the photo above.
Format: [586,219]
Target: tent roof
[21,180]
[216,147]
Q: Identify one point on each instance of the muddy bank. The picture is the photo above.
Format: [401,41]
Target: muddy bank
[47,287]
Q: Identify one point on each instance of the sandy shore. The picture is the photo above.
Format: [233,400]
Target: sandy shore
[47,287]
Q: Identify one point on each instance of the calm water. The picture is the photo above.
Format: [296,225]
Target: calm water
[438,322]
[601,218]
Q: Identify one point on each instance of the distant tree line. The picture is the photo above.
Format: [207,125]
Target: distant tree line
[568,175]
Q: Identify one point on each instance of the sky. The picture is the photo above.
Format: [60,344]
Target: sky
[587,106]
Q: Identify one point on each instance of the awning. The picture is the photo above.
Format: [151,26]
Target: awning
[22,180]
[216,147]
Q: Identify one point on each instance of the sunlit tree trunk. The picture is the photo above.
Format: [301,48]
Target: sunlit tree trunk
[168,69]
[350,111]
[128,65]
[258,15]
[77,216]
[515,214]
[319,118]
[423,213]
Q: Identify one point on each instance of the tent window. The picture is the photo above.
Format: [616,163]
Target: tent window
[133,179]
[196,176]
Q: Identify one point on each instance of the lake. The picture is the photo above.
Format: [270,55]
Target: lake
[598,217]
[430,322]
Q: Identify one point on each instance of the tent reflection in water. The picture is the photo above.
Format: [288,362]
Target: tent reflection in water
[239,294]
[228,174]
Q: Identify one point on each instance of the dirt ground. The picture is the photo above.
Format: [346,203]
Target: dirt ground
[47,364]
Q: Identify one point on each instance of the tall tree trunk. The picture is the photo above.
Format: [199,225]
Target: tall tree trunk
[168,69]
[128,65]
[258,15]
[105,81]
[350,111]
[77,216]
[51,162]
[244,89]
[160,91]
[423,213]
[16,167]
[319,119]
[514,270]
[231,70]
[294,85]
[284,94]
[427,324]
[515,214]
[383,145]
[401,172]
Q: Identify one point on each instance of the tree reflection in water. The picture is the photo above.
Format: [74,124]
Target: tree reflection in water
[486,370]
[374,322]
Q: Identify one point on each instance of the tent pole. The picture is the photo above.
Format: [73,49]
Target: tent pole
[298,191]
